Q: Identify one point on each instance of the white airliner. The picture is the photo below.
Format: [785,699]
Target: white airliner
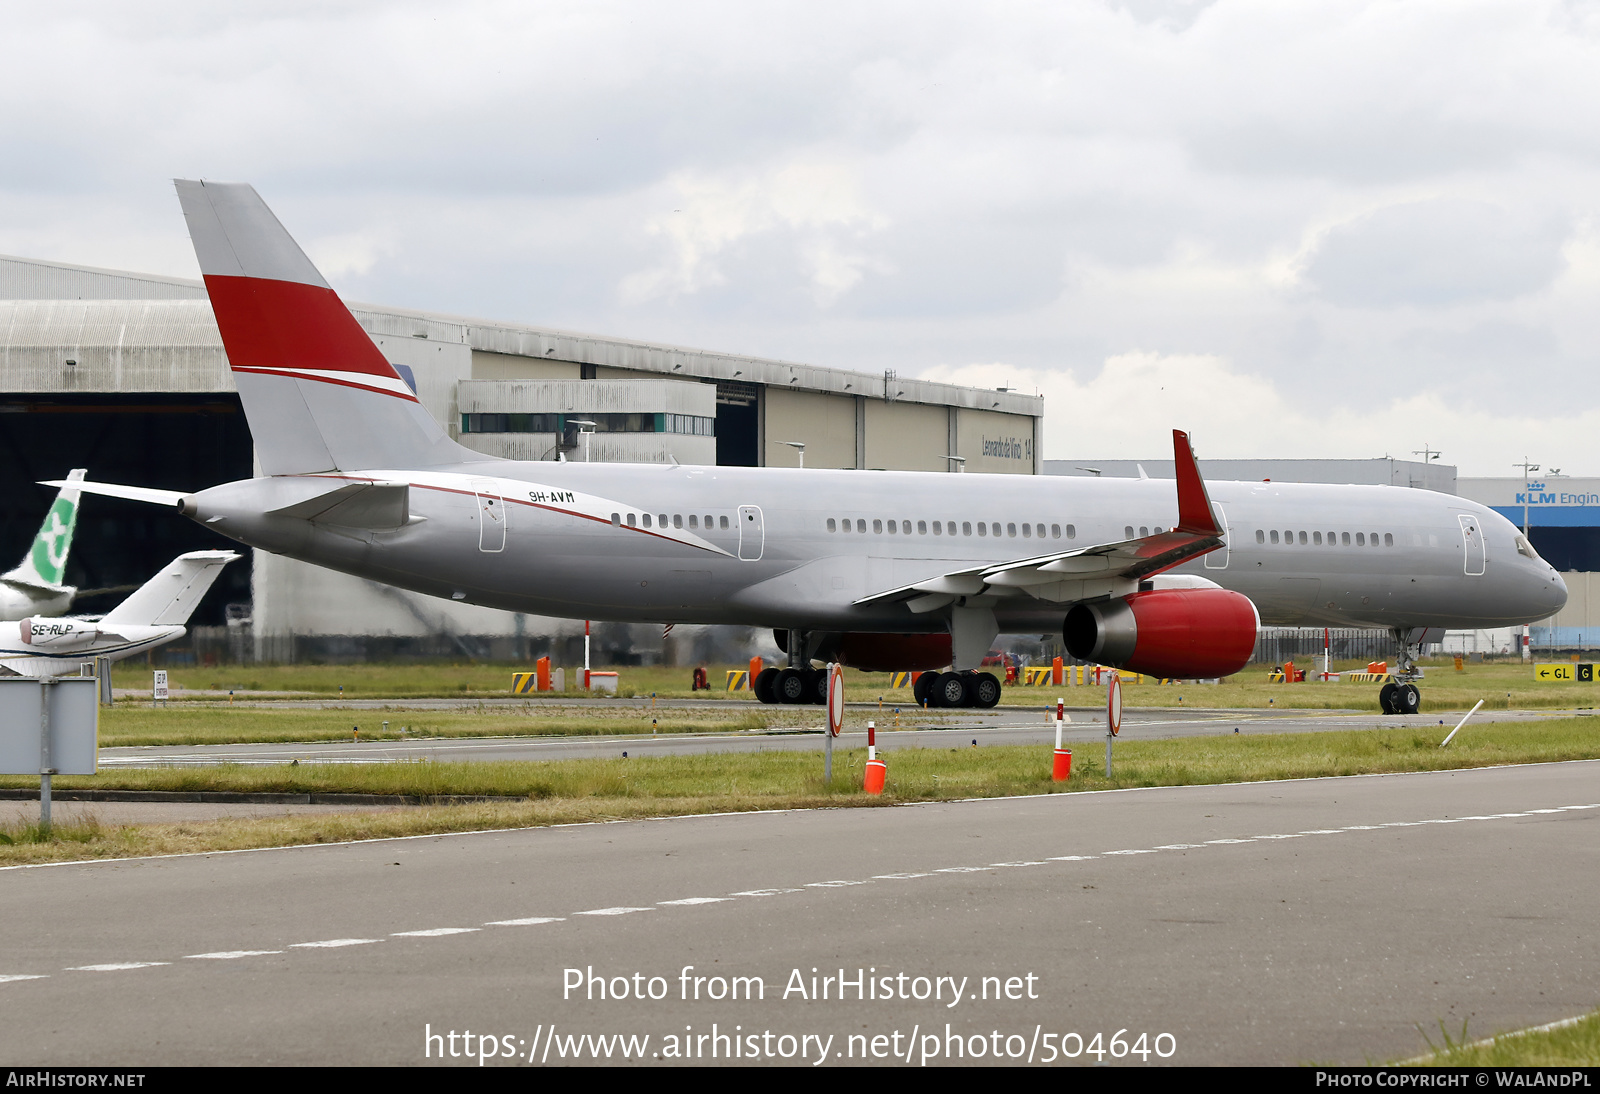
[34,587]
[878,569]
[152,616]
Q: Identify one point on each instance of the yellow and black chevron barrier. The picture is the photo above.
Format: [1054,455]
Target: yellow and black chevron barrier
[738,679]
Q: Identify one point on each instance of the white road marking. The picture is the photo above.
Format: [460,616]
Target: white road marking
[766,892]
[119,966]
[532,920]
[613,911]
[228,955]
[831,884]
[434,932]
[697,900]
[897,877]
[334,943]
[17,976]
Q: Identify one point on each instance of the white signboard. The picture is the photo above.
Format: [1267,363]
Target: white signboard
[160,689]
[74,725]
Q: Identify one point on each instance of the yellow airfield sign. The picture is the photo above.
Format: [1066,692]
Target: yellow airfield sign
[1568,671]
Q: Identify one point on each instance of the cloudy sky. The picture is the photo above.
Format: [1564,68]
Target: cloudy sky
[1333,229]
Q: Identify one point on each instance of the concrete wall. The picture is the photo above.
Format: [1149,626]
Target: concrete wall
[507,366]
[994,443]
[1578,624]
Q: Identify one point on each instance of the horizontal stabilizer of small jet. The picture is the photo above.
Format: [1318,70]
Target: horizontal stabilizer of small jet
[379,506]
[129,493]
[169,598]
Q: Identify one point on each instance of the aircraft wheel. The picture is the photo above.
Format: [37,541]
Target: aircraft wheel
[1407,699]
[1386,698]
[790,687]
[765,679]
[922,690]
[816,687]
[952,690]
[984,690]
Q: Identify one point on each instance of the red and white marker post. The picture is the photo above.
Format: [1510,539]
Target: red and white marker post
[875,767]
[1061,769]
[1113,715]
[835,717]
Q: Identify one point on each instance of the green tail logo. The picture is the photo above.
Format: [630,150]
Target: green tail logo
[54,541]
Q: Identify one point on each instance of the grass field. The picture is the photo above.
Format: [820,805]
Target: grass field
[1500,684]
[577,790]
[1575,1045]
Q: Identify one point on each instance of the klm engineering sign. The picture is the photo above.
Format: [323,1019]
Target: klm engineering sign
[1538,493]
[1548,503]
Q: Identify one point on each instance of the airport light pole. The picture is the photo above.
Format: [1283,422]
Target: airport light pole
[1527,469]
[586,427]
[799,447]
[959,461]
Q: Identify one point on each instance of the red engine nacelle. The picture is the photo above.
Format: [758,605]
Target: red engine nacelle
[1166,632]
[894,652]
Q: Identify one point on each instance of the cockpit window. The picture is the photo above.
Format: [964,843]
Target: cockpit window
[1526,548]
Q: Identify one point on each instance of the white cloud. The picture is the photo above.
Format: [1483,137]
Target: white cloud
[1130,407]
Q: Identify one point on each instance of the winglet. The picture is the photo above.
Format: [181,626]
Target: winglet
[1194,505]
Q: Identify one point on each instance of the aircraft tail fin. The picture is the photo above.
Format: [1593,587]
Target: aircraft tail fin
[169,598]
[318,393]
[46,561]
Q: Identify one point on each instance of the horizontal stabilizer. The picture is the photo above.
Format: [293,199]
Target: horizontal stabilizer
[376,505]
[131,493]
[169,598]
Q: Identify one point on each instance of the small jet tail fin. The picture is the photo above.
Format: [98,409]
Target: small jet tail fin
[318,393]
[169,598]
[46,561]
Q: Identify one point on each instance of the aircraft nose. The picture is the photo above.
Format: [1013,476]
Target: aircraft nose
[1557,592]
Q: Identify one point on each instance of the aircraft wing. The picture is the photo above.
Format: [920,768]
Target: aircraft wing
[1084,572]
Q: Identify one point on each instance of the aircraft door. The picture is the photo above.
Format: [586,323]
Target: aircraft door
[1218,559]
[491,517]
[752,537]
[1472,541]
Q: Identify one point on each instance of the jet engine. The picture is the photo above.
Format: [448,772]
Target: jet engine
[1166,632]
[58,633]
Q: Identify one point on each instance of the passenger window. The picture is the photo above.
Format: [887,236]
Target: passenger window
[994,529]
[1055,531]
[983,529]
[1011,530]
[1344,539]
[722,522]
[1361,539]
[1261,537]
[1027,531]
[647,520]
[1127,533]
[861,526]
[922,527]
[1302,539]
[663,523]
[938,527]
[1143,531]
[1316,537]
[844,525]
[1388,539]
[894,526]
[1274,535]
[677,520]
[1372,540]
[877,527]
[616,520]
[905,527]
[633,521]
[1072,531]
[832,525]
[1158,529]
[966,527]
[1038,530]
[694,521]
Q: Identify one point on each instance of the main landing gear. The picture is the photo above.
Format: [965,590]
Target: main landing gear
[800,683]
[1402,695]
[957,689]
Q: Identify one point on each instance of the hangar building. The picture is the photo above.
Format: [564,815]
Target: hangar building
[125,374]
